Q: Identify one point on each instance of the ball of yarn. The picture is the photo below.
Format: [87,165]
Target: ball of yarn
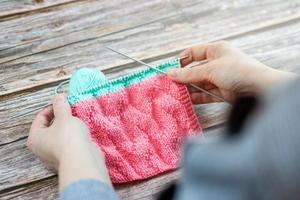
[85,79]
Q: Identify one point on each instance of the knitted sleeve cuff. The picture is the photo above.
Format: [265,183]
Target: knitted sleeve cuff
[88,189]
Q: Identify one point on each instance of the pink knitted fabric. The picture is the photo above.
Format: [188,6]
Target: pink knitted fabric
[140,128]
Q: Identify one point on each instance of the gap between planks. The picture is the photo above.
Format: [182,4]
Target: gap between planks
[39,7]
[270,24]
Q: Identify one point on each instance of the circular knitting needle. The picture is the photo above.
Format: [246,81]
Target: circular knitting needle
[57,88]
[163,72]
[56,92]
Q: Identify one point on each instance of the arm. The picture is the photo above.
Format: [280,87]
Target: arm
[90,189]
[63,143]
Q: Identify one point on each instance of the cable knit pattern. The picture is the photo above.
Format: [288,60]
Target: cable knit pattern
[140,128]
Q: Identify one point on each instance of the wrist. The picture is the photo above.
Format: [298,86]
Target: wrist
[82,162]
[260,81]
[269,78]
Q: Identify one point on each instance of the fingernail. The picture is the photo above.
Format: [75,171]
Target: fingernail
[173,73]
[184,54]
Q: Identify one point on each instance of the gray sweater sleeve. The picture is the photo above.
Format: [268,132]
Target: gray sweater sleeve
[88,189]
[261,162]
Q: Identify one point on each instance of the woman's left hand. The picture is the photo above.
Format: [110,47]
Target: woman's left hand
[55,131]
[63,143]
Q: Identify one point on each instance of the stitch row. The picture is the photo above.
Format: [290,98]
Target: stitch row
[122,82]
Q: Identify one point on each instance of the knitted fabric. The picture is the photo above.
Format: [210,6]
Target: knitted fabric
[139,121]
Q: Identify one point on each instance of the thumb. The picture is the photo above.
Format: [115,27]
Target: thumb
[61,108]
[191,74]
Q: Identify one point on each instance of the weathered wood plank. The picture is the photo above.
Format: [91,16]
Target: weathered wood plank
[19,166]
[86,19]
[47,188]
[148,189]
[102,22]
[174,34]
[15,7]
[43,189]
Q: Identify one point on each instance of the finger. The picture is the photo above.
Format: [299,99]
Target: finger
[192,75]
[61,107]
[195,53]
[43,118]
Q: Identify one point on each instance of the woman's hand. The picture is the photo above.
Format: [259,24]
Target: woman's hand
[55,131]
[227,73]
[63,143]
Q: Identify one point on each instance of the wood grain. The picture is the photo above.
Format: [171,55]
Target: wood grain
[46,188]
[77,21]
[174,34]
[16,7]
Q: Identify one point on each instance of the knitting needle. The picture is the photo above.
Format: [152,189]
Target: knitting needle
[163,72]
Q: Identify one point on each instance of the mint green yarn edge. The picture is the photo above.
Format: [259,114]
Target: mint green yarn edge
[122,82]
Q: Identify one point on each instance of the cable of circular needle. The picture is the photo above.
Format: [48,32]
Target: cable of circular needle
[26,113]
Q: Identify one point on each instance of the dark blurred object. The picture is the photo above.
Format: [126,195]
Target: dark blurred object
[243,107]
[168,193]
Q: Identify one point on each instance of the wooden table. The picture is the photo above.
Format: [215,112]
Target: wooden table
[43,41]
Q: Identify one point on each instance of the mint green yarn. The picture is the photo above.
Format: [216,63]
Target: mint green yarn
[84,79]
[85,83]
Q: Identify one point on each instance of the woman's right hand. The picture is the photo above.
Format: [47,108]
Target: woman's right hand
[227,73]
